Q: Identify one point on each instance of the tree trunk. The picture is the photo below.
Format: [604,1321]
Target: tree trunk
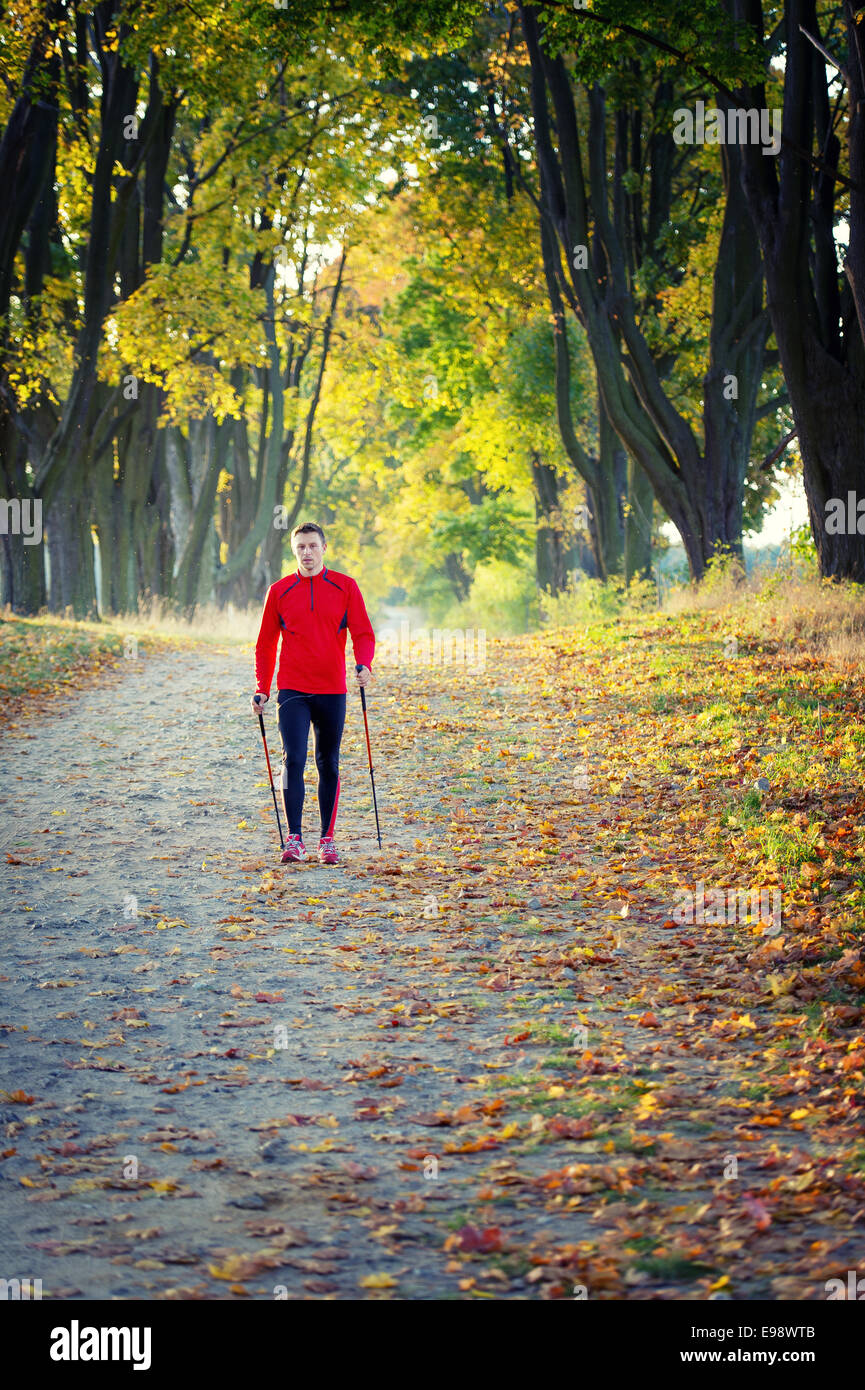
[155,542]
[607,515]
[23,575]
[554,556]
[700,492]
[112,199]
[194,472]
[256,552]
[638,524]
[818,316]
[27,146]
[70,551]
[460,579]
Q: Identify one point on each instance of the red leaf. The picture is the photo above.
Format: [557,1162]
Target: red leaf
[755,1208]
[485,1241]
[572,1129]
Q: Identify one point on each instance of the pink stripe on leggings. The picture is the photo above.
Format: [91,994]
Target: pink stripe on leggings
[333,813]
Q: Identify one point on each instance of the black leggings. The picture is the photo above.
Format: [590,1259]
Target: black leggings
[296,710]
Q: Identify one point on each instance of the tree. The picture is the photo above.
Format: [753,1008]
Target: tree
[816,290]
[594,242]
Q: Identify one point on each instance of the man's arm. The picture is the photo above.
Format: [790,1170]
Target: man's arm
[265,647]
[362,635]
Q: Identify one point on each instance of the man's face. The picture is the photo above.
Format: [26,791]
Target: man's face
[309,551]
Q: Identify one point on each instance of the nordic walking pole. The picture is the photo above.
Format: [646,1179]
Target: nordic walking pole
[369,753]
[270,774]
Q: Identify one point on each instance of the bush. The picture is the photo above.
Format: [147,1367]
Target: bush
[503,601]
[593,600]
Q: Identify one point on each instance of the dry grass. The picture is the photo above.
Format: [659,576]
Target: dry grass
[211,624]
[824,618]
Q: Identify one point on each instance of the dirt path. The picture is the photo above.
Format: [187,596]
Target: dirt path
[226,1078]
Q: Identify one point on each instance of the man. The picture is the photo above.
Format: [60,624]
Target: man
[312,609]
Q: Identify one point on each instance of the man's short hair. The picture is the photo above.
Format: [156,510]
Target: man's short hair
[307,526]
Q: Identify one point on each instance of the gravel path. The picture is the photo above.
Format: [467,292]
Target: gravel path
[185,1041]
[227,1078]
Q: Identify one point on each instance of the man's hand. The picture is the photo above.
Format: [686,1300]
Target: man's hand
[364,675]
[258,702]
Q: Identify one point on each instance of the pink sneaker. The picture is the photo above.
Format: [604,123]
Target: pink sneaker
[294,849]
[327,850]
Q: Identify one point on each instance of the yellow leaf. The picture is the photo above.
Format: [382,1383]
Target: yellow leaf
[377,1281]
[234,1267]
[781,984]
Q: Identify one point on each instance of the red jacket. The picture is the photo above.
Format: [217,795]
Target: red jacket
[312,615]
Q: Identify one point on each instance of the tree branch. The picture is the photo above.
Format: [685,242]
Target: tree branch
[826,54]
[776,452]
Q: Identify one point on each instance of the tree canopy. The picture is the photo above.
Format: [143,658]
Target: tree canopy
[442,270]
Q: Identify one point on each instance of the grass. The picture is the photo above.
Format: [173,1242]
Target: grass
[671,1267]
[790,609]
[212,625]
[558,1061]
[36,652]
[551,1032]
[778,835]
[48,654]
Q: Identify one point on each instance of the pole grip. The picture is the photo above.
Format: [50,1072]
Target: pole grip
[358,668]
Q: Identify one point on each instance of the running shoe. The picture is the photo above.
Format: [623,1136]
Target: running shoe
[294,849]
